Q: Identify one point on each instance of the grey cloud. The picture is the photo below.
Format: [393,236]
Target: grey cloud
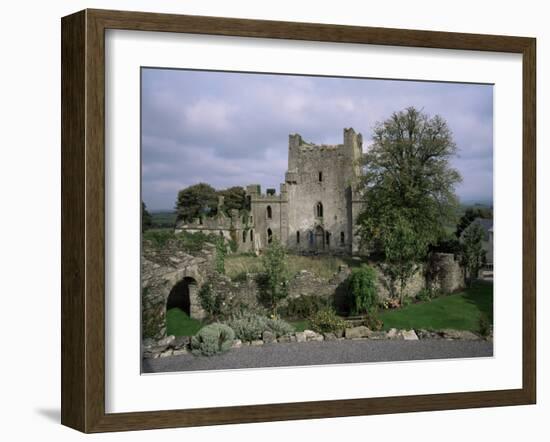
[232,129]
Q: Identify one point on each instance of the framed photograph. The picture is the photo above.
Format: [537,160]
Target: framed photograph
[266,220]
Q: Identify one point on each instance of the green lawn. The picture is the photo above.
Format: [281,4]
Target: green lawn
[178,323]
[460,311]
[323,266]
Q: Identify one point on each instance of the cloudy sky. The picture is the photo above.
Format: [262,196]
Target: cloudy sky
[231,129]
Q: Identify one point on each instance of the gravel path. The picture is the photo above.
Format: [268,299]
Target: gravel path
[318,353]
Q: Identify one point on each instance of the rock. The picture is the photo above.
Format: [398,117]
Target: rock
[269,337]
[300,337]
[357,332]
[464,335]
[150,355]
[393,333]
[180,342]
[378,335]
[179,352]
[148,343]
[339,333]
[313,336]
[167,353]
[292,338]
[284,338]
[329,336]
[237,343]
[257,343]
[166,341]
[409,335]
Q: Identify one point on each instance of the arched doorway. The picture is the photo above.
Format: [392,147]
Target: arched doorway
[181,294]
[319,238]
[269,236]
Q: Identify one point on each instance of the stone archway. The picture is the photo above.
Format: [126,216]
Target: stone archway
[181,295]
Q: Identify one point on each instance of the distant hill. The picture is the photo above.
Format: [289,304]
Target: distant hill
[163,218]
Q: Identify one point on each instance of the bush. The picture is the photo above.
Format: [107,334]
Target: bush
[279,327]
[326,321]
[210,300]
[212,339]
[485,326]
[233,246]
[221,252]
[362,285]
[373,322]
[304,306]
[250,326]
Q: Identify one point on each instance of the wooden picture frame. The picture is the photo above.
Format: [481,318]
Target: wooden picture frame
[83,220]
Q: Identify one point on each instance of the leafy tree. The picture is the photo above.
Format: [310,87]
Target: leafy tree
[469,215]
[193,201]
[234,198]
[275,268]
[409,185]
[473,255]
[146,218]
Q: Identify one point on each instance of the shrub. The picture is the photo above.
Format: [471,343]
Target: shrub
[212,339]
[279,326]
[424,295]
[485,326]
[240,277]
[304,306]
[233,246]
[250,326]
[373,322]
[326,321]
[211,301]
[362,285]
[221,252]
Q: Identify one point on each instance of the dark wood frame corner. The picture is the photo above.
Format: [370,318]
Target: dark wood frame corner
[83,216]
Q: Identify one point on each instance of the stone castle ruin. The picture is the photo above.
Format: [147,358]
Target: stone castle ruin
[315,210]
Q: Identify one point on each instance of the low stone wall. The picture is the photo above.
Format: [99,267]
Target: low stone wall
[172,346]
[443,272]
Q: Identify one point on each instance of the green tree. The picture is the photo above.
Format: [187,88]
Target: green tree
[193,201]
[470,214]
[473,255]
[234,198]
[146,218]
[276,275]
[409,185]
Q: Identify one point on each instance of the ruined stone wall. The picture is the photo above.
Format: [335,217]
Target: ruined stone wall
[161,270]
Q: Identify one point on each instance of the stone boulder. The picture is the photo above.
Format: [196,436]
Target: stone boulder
[313,336]
[409,335]
[269,337]
[357,332]
[464,335]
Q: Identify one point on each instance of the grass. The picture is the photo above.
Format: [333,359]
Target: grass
[178,323]
[460,311]
[300,325]
[322,266]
